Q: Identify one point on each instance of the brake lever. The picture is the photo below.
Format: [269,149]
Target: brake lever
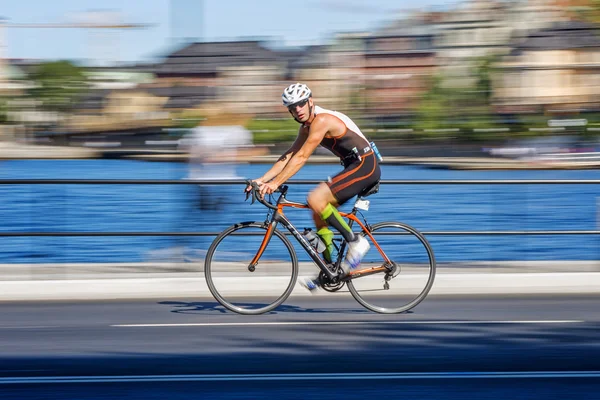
[254,189]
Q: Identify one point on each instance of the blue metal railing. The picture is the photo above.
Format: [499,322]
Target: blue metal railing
[291,182]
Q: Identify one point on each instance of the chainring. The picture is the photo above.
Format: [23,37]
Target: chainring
[329,286]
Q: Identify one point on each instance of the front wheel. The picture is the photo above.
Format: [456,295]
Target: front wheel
[242,286]
[406,279]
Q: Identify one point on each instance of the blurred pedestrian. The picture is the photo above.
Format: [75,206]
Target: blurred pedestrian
[217,148]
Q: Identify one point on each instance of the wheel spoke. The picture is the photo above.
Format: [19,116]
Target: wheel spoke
[411,277]
[246,287]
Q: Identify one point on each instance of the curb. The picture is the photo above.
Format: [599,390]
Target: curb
[181,287]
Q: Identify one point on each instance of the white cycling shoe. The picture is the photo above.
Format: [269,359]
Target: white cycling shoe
[357,249]
[310,284]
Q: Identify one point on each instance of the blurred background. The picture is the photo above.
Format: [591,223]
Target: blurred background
[190,90]
[475,106]
[464,73]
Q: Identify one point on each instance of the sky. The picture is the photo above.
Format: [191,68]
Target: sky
[284,22]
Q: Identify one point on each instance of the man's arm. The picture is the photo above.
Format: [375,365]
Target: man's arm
[285,157]
[317,132]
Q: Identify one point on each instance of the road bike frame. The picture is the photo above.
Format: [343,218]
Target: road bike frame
[278,216]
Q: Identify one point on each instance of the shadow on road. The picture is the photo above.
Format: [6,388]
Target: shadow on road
[196,307]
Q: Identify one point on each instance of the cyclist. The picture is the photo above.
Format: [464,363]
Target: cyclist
[339,134]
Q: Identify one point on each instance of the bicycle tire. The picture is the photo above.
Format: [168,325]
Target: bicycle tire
[234,300]
[361,290]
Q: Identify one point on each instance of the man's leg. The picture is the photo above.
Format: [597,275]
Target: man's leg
[326,236]
[323,203]
[320,199]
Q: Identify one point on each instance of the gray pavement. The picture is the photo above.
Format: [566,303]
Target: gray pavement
[171,280]
[480,347]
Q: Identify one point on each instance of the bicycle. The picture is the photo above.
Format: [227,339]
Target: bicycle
[267,261]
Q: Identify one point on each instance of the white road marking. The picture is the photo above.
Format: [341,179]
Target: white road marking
[309,377]
[285,323]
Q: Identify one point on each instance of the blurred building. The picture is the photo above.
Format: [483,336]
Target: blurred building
[244,76]
[119,77]
[232,72]
[547,58]
[13,79]
[347,54]
[102,81]
[476,29]
[398,60]
[553,68]
[316,66]
[525,16]
[23,112]
[3,63]
[115,102]
[122,112]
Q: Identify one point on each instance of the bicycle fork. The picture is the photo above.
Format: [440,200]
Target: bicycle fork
[263,245]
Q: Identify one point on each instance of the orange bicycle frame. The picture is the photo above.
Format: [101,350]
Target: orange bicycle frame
[279,216]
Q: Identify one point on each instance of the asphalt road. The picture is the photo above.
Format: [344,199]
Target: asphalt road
[480,347]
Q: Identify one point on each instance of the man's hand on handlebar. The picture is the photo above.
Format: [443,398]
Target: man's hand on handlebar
[267,188]
[258,192]
[257,181]
[262,187]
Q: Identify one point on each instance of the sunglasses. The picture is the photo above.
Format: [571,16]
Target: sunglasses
[300,103]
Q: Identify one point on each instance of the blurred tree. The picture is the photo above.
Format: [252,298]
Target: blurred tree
[57,85]
[584,10]
[594,12]
[358,102]
[273,130]
[433,111]
[187,119]
[3,111]
[483,72]
[468,109]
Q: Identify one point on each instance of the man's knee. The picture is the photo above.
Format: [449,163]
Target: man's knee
[319,198]
[316,202]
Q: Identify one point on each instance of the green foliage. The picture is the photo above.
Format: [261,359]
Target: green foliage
[187,123]
[358,103]
[586,11]
[484,68]
[467,108]
[187,119]
[269,131]
[434,109]
[58,85]
[3,111]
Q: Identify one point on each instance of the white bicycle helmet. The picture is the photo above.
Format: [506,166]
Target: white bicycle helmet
[295,93]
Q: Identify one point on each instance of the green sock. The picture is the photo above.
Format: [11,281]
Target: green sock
[327,236]
[333,218]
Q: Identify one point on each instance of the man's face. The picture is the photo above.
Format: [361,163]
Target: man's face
[301,110]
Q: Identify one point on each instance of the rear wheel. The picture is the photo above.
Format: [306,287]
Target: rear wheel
[242,287]
[405,280]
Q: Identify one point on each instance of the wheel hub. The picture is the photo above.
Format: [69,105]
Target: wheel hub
[393,270]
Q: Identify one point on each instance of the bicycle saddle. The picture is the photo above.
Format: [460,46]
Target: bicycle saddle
[374,188]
